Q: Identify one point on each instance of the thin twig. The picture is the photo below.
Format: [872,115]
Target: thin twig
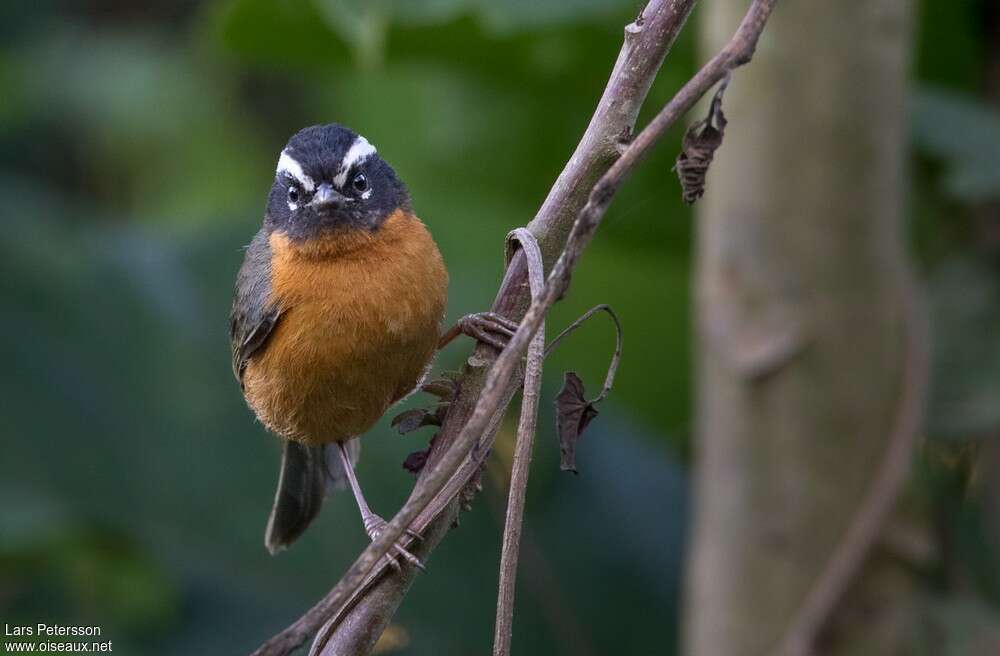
[438,484]
[616,357]
[849,555]
[522,452]
[570,635]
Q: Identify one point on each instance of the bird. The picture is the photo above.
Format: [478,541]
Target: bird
[336,316]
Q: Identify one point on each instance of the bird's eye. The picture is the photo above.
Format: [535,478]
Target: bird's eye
[360,183]
[293,194]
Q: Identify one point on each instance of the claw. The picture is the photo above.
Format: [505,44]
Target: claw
[487,327]
[374,526]
[494,321]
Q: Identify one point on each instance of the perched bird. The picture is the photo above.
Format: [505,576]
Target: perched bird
[336,316]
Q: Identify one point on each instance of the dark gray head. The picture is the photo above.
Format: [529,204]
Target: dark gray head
[331,178]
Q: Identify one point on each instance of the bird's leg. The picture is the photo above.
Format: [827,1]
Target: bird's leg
[488,327]
[372,522]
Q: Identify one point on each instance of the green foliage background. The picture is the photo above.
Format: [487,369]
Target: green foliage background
[137,143]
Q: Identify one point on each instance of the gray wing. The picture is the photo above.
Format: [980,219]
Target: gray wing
[252,318]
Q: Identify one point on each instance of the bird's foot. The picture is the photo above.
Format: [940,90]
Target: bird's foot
[374,525]
[487,327]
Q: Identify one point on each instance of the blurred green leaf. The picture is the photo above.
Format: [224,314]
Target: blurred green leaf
[965,311]
[965,133]
[146,133]
[959,626]
[291,33]
[951,44]
[522,15]
[55,565]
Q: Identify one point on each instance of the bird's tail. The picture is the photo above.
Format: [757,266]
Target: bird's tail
[308,473]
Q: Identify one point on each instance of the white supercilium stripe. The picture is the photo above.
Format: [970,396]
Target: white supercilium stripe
[287,164]
[359,151]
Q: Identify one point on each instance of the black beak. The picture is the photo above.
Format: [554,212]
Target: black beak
[326,197]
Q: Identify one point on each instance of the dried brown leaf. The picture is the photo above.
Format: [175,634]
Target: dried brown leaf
[573,413]
[411,420]
[698,149]
[415,462]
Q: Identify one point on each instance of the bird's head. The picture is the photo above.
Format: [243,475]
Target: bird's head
[330,179]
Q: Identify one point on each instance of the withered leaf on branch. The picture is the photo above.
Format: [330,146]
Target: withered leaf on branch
[698,149]
[415,462]
[411,420]
[573,413]
[573,410]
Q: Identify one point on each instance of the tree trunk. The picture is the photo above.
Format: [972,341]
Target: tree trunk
[799,314]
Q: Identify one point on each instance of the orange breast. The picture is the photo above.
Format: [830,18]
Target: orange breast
[360,320]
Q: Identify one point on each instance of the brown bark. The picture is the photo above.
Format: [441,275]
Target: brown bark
[800,318]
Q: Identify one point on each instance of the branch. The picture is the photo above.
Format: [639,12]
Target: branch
[849,555]
[474,416]
[609,377]
[647,41]
[522,454]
